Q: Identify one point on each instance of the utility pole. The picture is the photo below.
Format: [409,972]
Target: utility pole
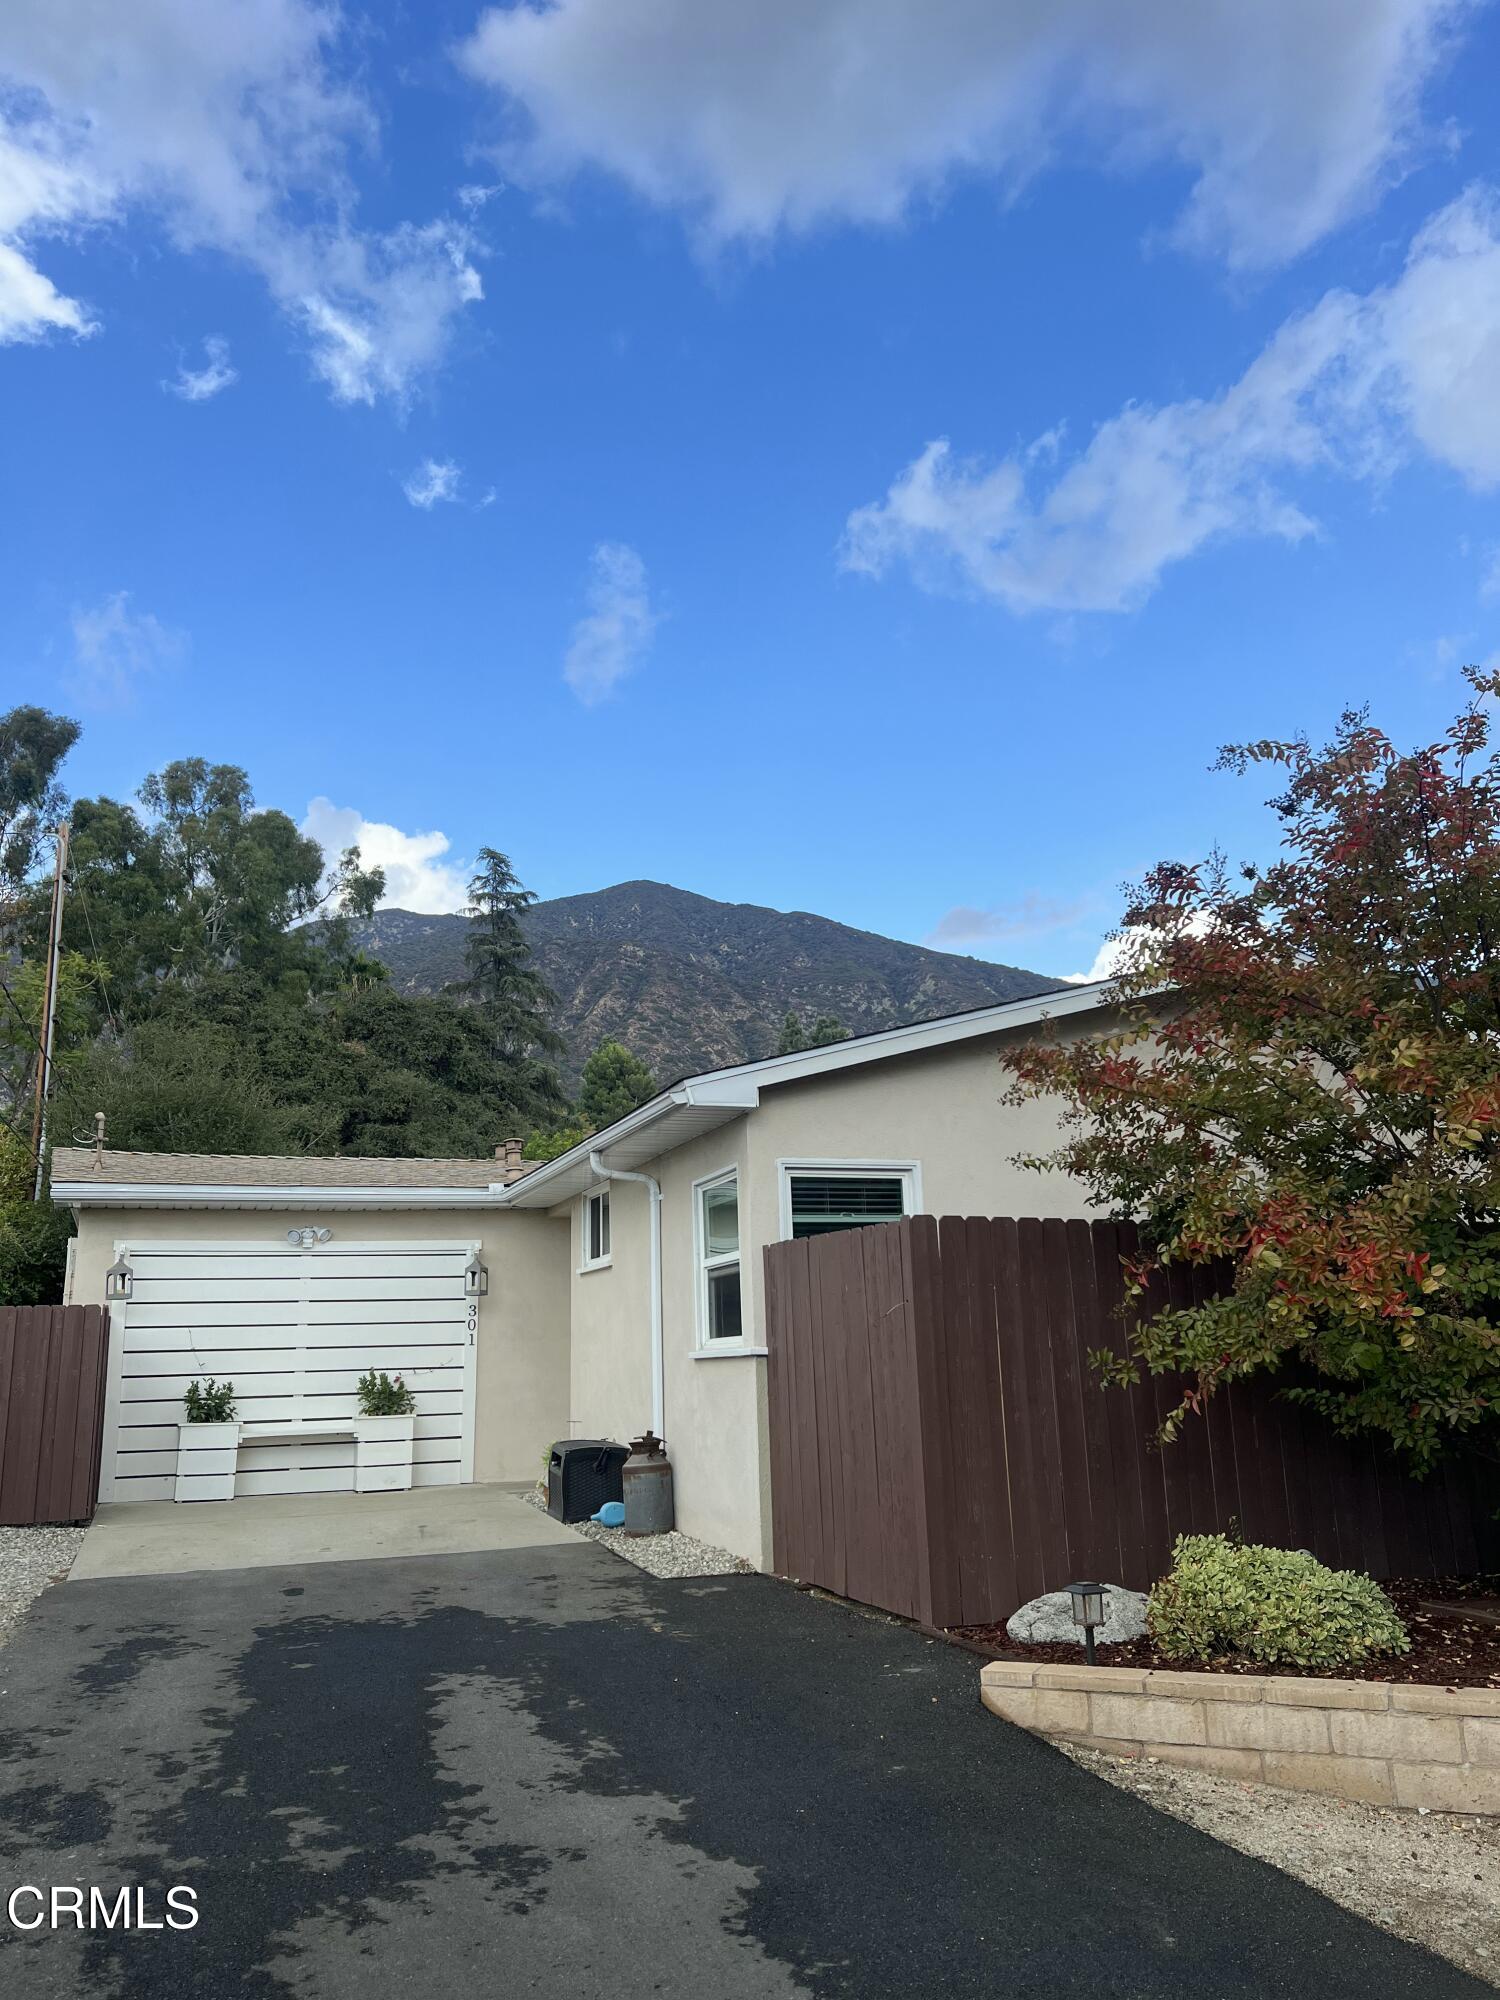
[49,1007]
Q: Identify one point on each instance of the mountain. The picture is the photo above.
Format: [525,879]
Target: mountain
[689,984]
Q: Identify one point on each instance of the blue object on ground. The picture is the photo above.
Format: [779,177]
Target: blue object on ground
[611,1514]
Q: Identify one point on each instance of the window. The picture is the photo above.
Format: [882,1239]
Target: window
[595,1231]
[719,1259]
[820,1198]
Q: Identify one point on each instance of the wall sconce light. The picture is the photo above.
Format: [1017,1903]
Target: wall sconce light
[306,1238]
[119,1279]
[1088,1611]
[476,1278]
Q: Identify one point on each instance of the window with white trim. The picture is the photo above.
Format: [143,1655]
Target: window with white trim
[596,1231]
[822,1199]
[719,1314]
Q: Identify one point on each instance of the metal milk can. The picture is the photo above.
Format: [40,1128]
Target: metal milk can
[647,1480]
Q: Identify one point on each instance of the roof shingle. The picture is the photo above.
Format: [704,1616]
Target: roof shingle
[81,1163]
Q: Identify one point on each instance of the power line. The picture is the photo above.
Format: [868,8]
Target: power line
[83,903]
[20,1137]
[15,1008]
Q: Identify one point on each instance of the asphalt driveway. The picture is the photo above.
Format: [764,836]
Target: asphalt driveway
[537,1771]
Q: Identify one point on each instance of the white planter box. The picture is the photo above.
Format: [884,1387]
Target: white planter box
[383,1453]
[205,1461]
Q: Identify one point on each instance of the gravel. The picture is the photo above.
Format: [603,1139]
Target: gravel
[1432,1878]
[30,1559]
[675,1554]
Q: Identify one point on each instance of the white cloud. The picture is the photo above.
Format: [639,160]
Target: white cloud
[378,308]
[1285,117]
[1489,576]
[1107,962]
[197,385]
[435,479]
[233,127]
[417,876]
[966,925]
[1118,951]
[617,630]
[39,191]
[1353,386]
[115,649]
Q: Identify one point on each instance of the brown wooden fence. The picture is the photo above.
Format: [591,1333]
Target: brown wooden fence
[51,1412]
[941,1446]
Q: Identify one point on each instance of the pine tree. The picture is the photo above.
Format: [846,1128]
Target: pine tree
[793,1041]
[614,1082]
[795,1038]
[512,995]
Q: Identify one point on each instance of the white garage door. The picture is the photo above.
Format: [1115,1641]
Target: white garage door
[293,1330]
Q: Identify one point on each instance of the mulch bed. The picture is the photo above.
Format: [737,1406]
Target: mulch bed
[1449,1647]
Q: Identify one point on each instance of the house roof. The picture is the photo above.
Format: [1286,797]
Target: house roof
[699,1104]
[695,1105]
[126,1179]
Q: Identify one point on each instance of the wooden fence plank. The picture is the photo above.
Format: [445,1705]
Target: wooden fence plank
[991,1304]
[939,1467]
[1123,1409]
[1067,1393]
[1023,1459]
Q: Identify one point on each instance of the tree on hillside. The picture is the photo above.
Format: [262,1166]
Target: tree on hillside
[614,1082]
[541,1145]
[1307,1084]
[202,882]
[233,1065]
[826,1028]
[510,993]
[33,744]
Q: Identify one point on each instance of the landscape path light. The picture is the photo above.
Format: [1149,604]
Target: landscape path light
[1088,1611]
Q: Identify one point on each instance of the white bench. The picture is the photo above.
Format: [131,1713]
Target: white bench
[208,1454]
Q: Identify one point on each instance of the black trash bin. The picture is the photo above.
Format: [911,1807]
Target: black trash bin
[582,1474]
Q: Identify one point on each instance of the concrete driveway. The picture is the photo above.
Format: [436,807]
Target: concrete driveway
[148,1538]
[537,1771]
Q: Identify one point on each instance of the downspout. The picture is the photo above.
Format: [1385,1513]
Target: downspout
[658,1344]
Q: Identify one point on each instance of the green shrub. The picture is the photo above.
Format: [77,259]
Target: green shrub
[1269,1605]
[382,1396]
[209,1402]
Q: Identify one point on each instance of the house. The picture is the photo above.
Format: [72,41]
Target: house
[613,1288]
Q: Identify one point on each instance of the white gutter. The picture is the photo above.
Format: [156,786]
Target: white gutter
[658,1344]
[200,1194]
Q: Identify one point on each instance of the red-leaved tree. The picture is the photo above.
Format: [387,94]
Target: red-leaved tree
[1305,1083]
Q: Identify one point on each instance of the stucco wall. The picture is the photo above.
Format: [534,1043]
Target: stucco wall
[940,1110]
[610,1392]
[714,1410]
[521,1391]
[715,1400]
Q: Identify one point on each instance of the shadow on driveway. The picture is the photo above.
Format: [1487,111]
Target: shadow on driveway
[540,1771]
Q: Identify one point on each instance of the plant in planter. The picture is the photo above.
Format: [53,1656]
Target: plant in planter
[208,1442]
[384,1432]
[384,1395]
[209,1402]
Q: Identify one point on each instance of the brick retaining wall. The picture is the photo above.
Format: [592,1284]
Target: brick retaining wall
[1389,1745]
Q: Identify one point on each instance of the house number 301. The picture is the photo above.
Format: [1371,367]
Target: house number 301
[473,1315]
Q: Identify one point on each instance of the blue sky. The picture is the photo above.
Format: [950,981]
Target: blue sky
[862,459]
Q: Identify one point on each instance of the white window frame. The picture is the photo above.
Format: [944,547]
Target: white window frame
[708,1348]
[908,1171]
[586,1263]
